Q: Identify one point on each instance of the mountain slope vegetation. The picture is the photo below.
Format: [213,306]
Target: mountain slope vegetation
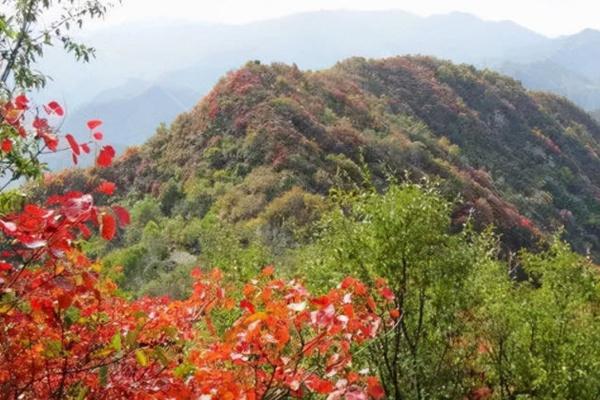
[270,141]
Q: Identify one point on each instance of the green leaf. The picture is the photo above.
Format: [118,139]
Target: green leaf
[72,315]
[103,375]
[131,338]
[82,393]
[184,370]
[116,341]
[140,356]
[160,355]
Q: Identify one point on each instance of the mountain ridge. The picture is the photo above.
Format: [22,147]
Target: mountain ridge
[315,40]
[526,161]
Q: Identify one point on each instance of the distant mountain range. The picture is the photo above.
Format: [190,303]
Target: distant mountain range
[147,73]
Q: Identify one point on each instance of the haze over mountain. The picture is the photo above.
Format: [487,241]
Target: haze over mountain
[171,64]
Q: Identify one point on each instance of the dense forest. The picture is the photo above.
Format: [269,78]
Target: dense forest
[399,228]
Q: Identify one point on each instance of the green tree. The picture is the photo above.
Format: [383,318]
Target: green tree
[23,37]
[538,338]
[404,235]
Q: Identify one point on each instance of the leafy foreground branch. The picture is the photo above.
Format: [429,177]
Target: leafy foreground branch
[66,334]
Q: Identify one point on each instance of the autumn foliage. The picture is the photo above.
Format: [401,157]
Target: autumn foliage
[65,332]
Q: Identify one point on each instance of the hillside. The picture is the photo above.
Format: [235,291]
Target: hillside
[267,139]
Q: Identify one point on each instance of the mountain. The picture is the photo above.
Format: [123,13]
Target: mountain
[269,138]
[130,113]
[596,115]
[580,53]
[569,66]
[192,56]
[134,115]
[550,76]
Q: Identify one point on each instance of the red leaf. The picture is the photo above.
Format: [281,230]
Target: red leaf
[94,123]
[4,266]
[98,135]
[65,300]
[387,294]
[85,231]
[109,227]
[85,148]
[374,388]
[74,157]
[246,305]
[73,143]
[40,123]
[21,102]
[106,156]
[50,140]
[108,188]
[319,385]
[6,145]
[54,107]
[122,215]
[268,271]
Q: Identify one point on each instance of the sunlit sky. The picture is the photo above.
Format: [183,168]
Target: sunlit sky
[549,17]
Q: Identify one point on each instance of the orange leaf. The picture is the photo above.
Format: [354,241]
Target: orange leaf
[268,271]
[374,388]
[108,188]
[319,385]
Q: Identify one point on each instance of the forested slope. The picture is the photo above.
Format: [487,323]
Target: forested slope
[269,141]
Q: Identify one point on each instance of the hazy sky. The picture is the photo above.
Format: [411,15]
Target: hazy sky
[550,17]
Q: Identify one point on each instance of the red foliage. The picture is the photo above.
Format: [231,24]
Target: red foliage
[105,158]
[14,112]
[93,124]
[65,333]
[54,107]
[242,81]
[6,145]
[525,222]
[108,188]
